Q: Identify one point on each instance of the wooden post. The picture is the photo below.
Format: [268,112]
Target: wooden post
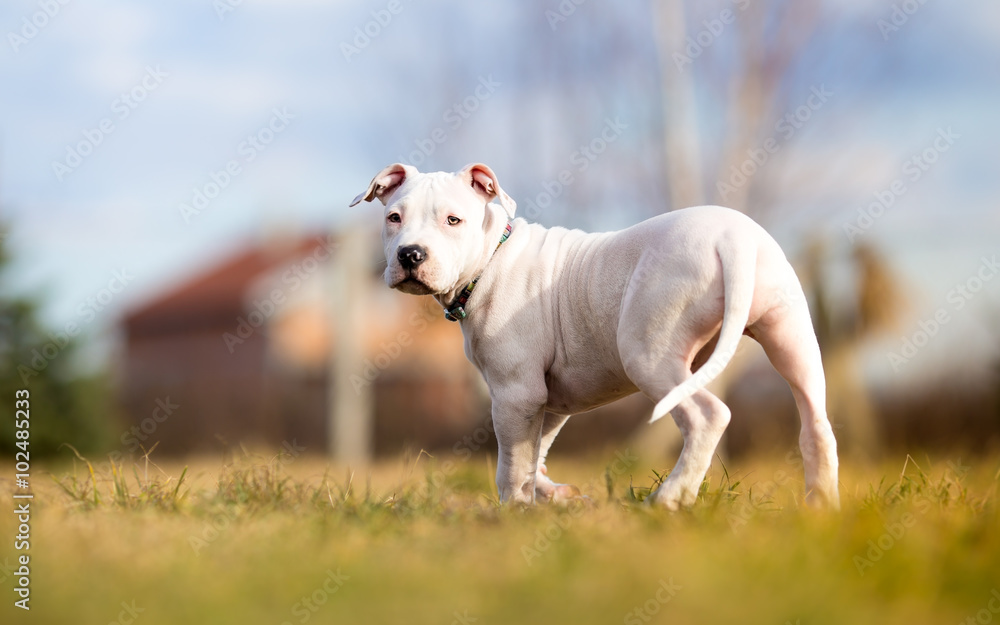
[350,418]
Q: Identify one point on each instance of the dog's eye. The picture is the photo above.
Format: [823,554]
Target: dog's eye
[453,221]
[394,218]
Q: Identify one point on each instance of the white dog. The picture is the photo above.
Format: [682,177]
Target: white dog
[563,321]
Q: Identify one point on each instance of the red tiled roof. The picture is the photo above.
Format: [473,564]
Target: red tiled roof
[215,296]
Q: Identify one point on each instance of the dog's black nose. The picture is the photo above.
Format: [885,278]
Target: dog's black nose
[411,255]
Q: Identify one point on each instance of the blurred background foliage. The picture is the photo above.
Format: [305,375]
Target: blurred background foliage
[66,407]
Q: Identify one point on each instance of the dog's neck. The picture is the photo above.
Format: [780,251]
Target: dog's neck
[495,233]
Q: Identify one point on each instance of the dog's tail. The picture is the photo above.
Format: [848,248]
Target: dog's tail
[739,265]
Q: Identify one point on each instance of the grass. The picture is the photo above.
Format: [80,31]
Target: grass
[282,539]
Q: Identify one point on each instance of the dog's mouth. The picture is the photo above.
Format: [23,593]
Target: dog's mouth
[410,284]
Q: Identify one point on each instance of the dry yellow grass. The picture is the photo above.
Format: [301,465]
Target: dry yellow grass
[418,541]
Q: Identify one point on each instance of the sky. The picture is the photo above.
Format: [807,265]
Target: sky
[120,119]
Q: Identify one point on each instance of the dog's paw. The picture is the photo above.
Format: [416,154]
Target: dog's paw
[673,496]
[549,491]
[567,492]
[562,494]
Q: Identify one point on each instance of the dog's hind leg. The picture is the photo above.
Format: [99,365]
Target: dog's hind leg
[788,339]
[657,369]
[702,419]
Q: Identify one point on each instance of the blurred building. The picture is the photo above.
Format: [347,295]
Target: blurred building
[243,351]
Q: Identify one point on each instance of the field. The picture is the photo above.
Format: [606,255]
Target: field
[279,539]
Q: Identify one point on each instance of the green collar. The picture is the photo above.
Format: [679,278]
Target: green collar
[456,312]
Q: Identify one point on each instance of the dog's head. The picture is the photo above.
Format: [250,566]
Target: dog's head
[435,225]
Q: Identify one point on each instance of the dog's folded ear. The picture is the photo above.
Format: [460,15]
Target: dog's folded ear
[484,182]
[385,182]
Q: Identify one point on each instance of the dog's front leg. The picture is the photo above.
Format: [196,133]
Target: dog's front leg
[518,426]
